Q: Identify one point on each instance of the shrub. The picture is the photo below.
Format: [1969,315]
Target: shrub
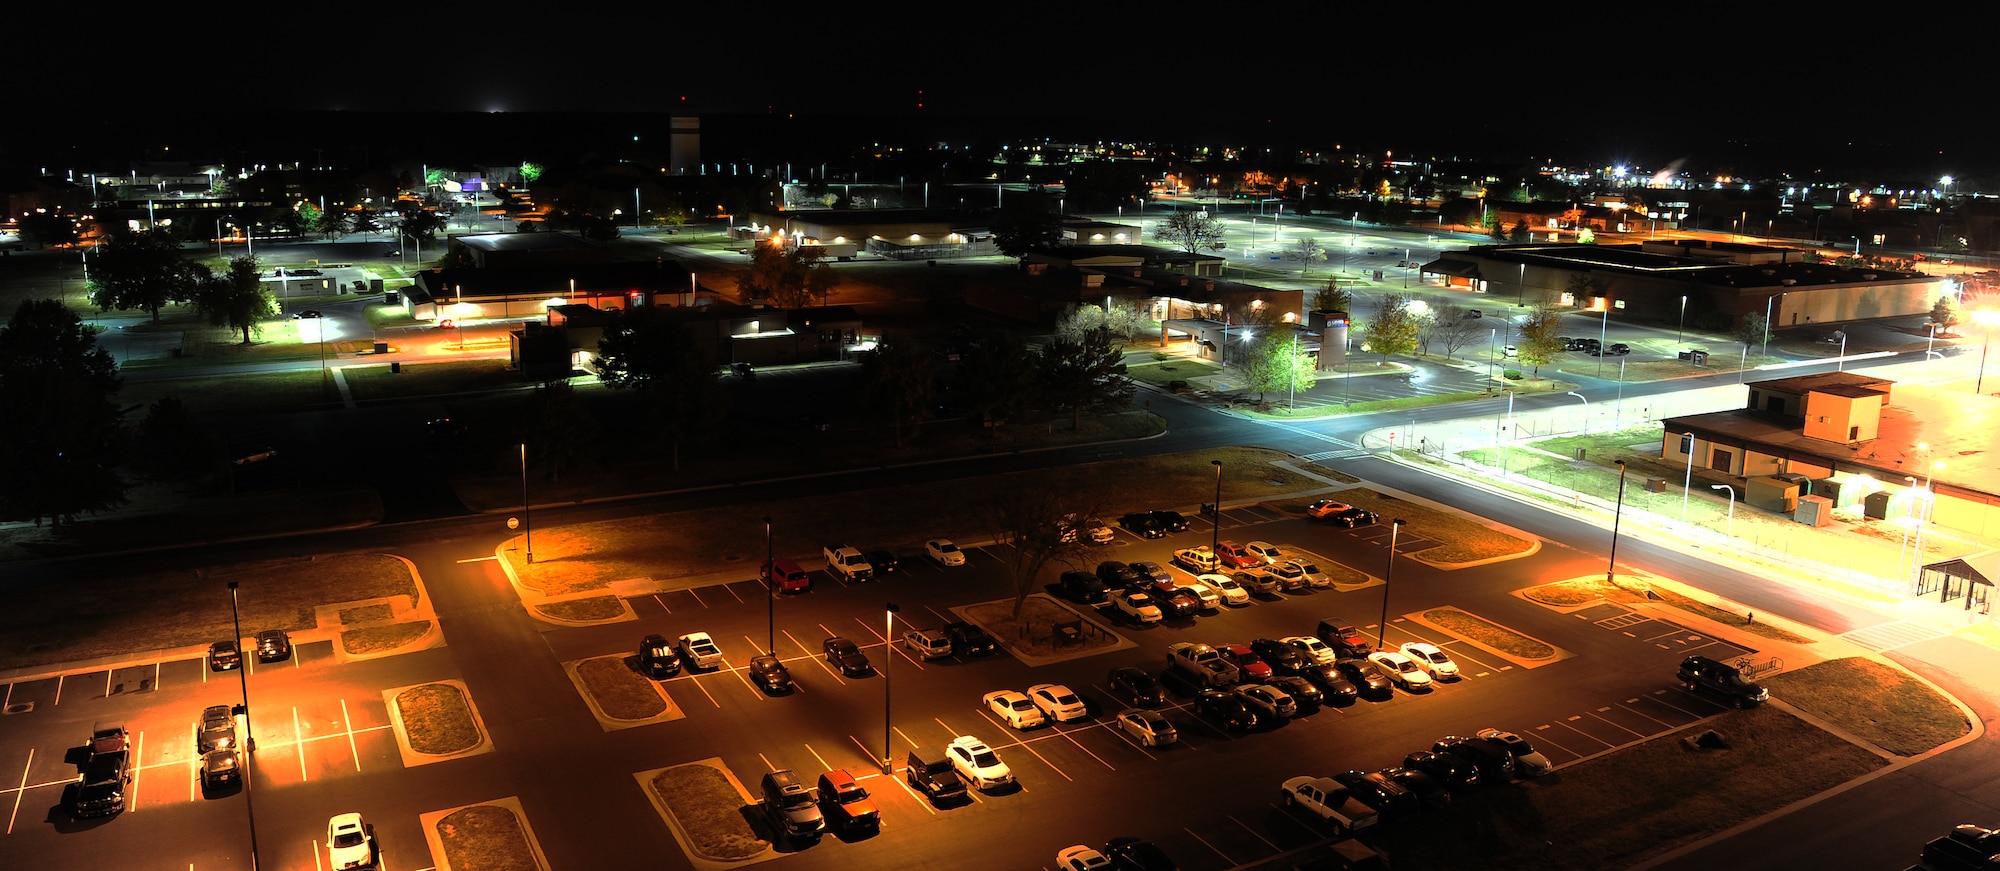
[1512,374]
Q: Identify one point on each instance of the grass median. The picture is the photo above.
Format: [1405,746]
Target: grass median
[1489,634]
[1874,702]
[486,838]
[437,719]
[1577,591]
[620,692]
[1460,539]
[709,809]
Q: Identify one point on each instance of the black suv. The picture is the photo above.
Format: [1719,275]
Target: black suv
[969,640]
[1118,575]
[1702,673]
[934,777]
[1142,525]
[1171,521]
[1227,707]
[657,658]
[1084,587]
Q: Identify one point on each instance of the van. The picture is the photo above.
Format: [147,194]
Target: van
[789,577]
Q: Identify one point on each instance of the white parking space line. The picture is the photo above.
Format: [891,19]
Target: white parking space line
[59,686]
[1253,832]
[1586,735]
[1045,760]
[299,743]
[1079,746]
[732,592]
[138,752]
[1542,734]
[1113,729]
[1211,847]
[767,762]
[1593,715]
[663,603]
[942,618]
[347,723]
[819,660]
[906,738]
[1627,705]
[1662,696]
[823,766]
[156,674]
[10,697]
[20,790]
[697,597]
[921,801]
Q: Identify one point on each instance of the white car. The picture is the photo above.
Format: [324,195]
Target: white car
[1315,650]
[1429,658]
[1014,709]
[1402,670]
[1210,598]
[1268,701]
[1313,575]
[943,552]
[1057,702]
[1137,606]
[1081,858]
[700,650]
[1226,587]
[1528,762]
[977,763]
[348,843]
[1149,728]
[1267,552]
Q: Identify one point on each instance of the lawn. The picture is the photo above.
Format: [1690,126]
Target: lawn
[383,638]
[620,692]
[708,807]
[485,838]
[1882,705]
[1486,633]
[1580,590]
[437,719]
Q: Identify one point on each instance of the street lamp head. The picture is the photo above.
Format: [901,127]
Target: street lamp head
[892,608]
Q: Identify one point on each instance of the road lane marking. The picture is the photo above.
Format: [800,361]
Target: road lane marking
[1205,843]
[767,762]
[20,791]
[1544,736]
[137,754]
[348,723]
[299,742]
[663,604]
[1080,746]
[822,760]
[697,597]
[704,691]
[732,592]
[820,660]
[870,754]
[1594,715]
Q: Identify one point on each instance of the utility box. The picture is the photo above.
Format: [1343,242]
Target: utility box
[1771,494]
[1656,485]
[1814,511]
[1876,505]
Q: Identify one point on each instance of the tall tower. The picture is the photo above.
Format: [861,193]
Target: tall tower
[684,145]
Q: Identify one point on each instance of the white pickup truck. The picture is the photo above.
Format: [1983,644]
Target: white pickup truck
[1328,800]
[847,563]
[1203,663]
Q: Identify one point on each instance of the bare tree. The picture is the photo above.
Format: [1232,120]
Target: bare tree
[1306,252]
[1026,517]
[1192,231]
[1457,328]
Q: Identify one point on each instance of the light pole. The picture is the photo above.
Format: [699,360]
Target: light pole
[1618,413]
[1931,343]
[1840,364]
[1767,326]
[1903,551]
[1612,564]
[1603,333]
[1687,444]
[1586,402]
[527,518]
[250,735]
[1389,572]
[770,593]
[1215,518]
[1930,505]
[1508,432]
[1680,335]
[888,657]
[1985,320]
[1730,530]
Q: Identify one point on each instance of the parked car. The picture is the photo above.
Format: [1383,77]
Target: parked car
[927,644]
[1138,606]
[273,645]
[844,654]
[107,774]
[1267,552]
[1119,575]
[845,805]
[1302,691]
[701,650]
[1142,524]
[223,656]
[1528,762]
[1171,521]
[349,844]
[1197,559]
[1132,854]
[1366,677]
[1313,574]
[970,640]
[1495,763]
[943,552]
[1403,671]
[1149,728]
[885,562]
[221,768]
[1180,604]
[1334,685]
[218,729]
[1235,556]
[1281,657]
[1341,513]
[1705,674]
[1058,702]
[1270,703]
[1136,686]
[1253,668]
[1314,649]
[1447,770]
[1387,797]
[1428,657]
[1084,587]
[769,673]
[791,807]
[1014,708]
[1259,581]
[1346,641]
[657,658]
[1080,858]
[1226,587]
[1290,577]
[933,775]
[977,763]
[1227,708]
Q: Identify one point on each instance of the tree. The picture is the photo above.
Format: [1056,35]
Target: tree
[1027,223]
[42,228]
[421,224]
[1026,516]
[1945,313]
[649,351]
[900,378]
[142,271]
[237,299]
[64,437]
[1082,372]
[1277,362]
[1123,320]
[1753,329]
[1332,298]
[1519,234]
[557,429]
[789,276]
[173,445]
[996,378]
[1393,330]
[330,224]
[1540,336]
[1427,328]
[1305,252]
[1456,328]
[1191,231]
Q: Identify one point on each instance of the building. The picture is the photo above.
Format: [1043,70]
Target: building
[901,234]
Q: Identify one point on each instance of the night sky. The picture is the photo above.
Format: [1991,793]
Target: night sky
[1567,82]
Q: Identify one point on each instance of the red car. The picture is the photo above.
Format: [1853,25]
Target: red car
[1254,669]
[1234,556]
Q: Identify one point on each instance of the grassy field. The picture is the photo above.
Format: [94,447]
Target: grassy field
[1877,703]
[167,610]
[710,810]
[619,691]
[487,838]
[1484,632]
[437,719]
[1580,590]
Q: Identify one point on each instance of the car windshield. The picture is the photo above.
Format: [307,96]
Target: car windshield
[1437,656]
[349,838]
[1308,568]
[852,795]
[798,799]
[1067,699]
[985,759]
[1023,705]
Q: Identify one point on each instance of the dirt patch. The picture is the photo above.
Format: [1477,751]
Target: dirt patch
[708,808]
[437,719]
[1034,632]
[382,638]
[1460,540]
[584,610]
[1615,811]
[573,559]
[486,838]
[366,614]
[1882,705]
[141,613]
[1490,634]
[620,692]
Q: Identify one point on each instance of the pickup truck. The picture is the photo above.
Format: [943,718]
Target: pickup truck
[1203,663]
[847,563]
[1328,800]
[106,774]
[1196,559]
[701,651]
